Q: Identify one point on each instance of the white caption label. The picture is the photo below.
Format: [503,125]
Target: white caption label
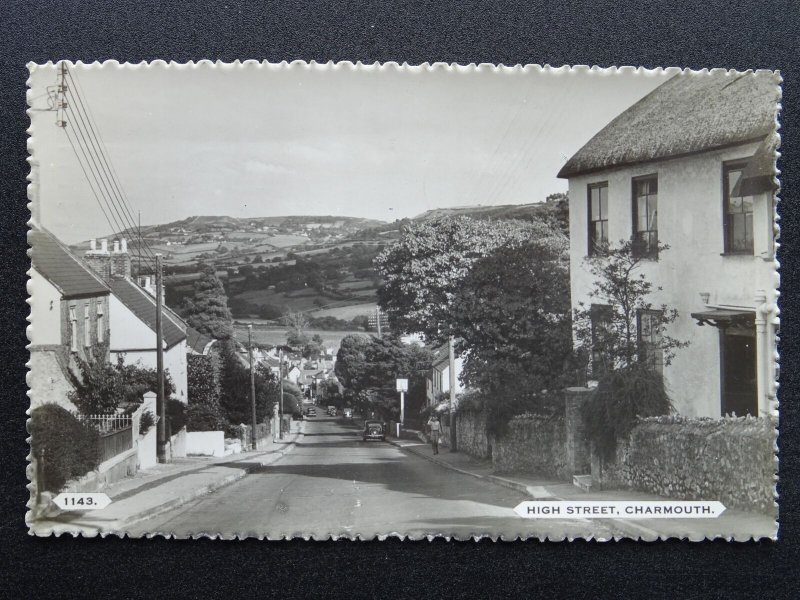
[596,509]
[81,501]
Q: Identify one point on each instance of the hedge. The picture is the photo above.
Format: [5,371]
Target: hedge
[65,446]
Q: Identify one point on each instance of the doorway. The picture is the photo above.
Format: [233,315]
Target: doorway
[739,386]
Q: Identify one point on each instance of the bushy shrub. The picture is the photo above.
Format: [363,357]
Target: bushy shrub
[146,422]
[200,417]
[621,396]
[66,447]
[176,415]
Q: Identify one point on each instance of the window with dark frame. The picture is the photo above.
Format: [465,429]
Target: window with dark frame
[737,211]
[645,216]
[598,217]
[648,338]
[101,323]
[601,328]
[73,329]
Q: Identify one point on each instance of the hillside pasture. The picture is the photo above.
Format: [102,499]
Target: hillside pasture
[274,335]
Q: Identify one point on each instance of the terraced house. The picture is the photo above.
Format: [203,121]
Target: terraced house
[692,165]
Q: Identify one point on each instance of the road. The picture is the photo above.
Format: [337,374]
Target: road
[334,484]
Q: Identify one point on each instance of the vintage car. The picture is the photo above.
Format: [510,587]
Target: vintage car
[374,430]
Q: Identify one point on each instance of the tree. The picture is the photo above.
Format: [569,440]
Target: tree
[100,387]
[297,322]
[369,366]
[424,271]
[512,316]
[628,342]
[207,310]
[235,385]
[623,291]
[204,412]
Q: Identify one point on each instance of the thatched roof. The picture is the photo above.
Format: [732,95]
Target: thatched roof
[689,113]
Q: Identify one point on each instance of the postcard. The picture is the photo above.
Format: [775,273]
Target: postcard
[358,301]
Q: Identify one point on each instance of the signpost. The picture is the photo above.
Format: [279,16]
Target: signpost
[402,387]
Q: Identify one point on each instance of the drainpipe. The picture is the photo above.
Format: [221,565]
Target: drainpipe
[765,311]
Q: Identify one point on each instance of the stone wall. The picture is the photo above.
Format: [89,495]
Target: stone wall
[731,460]
[532,445]
[471,435]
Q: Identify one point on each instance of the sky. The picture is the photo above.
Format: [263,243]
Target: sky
[382,142]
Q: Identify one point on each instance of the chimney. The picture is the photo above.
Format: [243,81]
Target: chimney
[121,261]
[146,283]
[109,265]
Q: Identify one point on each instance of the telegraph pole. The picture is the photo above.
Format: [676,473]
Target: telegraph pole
[252,382]
[451,349]
[160,401]
[280,405]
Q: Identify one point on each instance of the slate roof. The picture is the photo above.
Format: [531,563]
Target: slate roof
[68,273]
[197,341]
[689,113]
[143,305]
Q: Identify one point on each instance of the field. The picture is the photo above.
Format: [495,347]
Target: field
[276,335]
[346,313]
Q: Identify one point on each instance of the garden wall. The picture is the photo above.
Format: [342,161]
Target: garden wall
[471,434]
[534,445]
[731,460]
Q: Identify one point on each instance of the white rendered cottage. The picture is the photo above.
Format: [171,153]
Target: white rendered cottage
[692,165]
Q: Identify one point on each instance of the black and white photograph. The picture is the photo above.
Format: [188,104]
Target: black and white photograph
[360,301]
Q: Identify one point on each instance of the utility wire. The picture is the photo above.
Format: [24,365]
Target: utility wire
[103,166]
[104,151]
[97,175]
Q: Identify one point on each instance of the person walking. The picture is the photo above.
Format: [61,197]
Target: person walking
[435,427]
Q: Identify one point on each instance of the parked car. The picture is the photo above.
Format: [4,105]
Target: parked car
[348,413]
[374,430]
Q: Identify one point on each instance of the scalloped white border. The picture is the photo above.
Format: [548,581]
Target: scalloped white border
[498,69]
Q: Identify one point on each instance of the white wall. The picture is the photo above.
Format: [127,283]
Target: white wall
[45,303]
[690,221]
[133,338]
[128,332]
[205,443]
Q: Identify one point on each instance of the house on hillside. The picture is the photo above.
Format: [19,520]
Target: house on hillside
[692,165]
[69,317]
[132,316]
[437,380]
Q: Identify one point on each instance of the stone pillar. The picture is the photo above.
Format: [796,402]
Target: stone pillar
[577,444]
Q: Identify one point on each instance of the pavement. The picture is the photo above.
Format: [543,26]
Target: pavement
[325,482]
[162,488]
[732,524]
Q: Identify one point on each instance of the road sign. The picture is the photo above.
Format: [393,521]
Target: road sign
[402,385]
[81,501]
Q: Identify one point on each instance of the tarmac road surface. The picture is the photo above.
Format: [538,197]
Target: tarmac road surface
[334,484]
